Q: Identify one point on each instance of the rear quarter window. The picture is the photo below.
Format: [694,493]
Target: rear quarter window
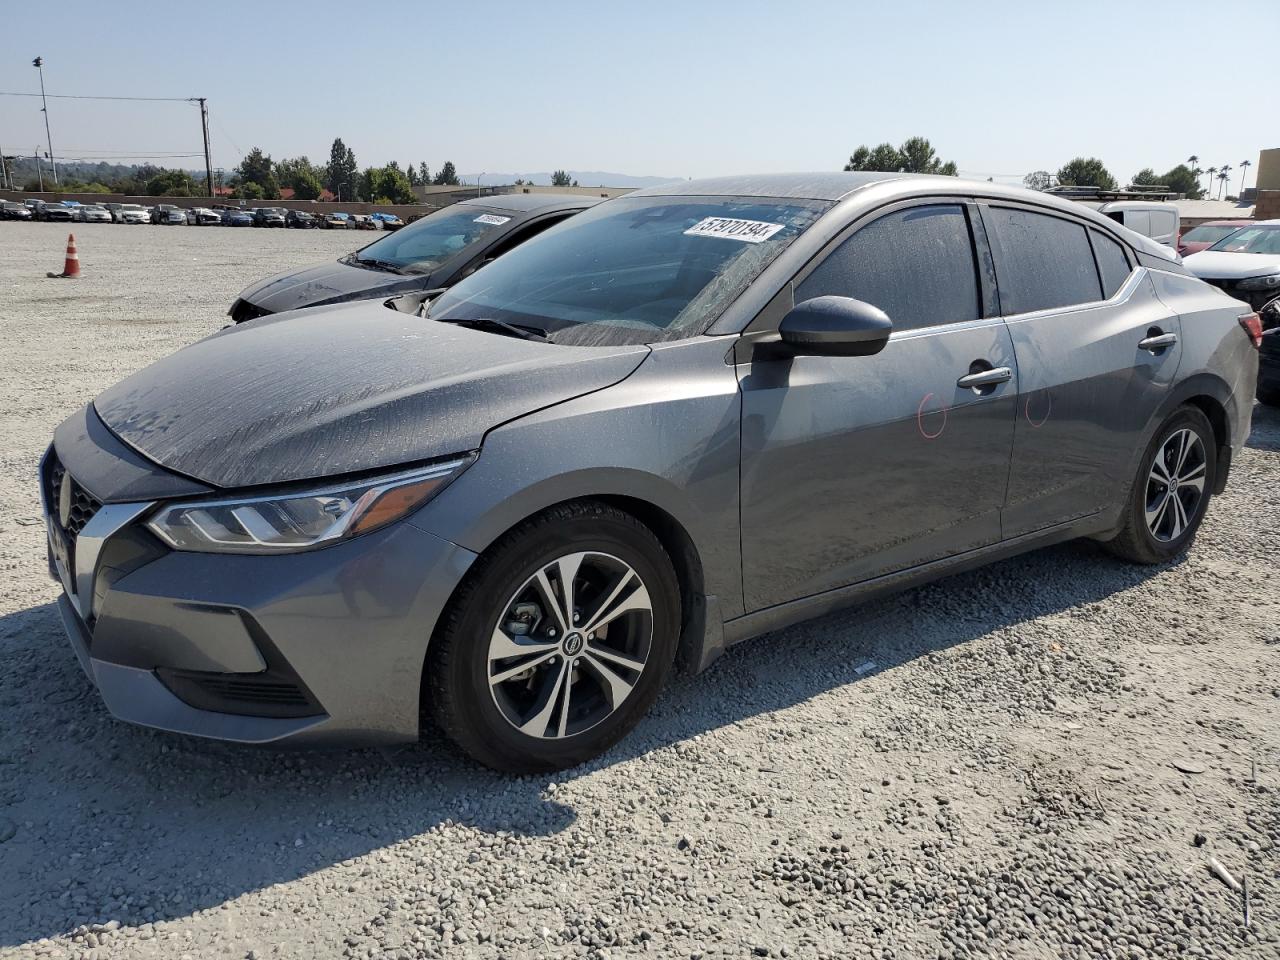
[1042,261]
[1113,263]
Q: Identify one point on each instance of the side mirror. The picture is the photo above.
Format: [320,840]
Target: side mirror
[835,327]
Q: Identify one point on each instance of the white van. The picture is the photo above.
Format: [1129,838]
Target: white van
[1159,221]
[1142,211]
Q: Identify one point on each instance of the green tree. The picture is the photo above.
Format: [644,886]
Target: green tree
[448,176]
[412,173]
[386,185]
[302,176]
[342,172]
[172,183]
[424,173]
[560,179]
[918,157]
[884,158]
[1146,177]
[915,155]
[257,167]
[1184,180]
[248,190]
[1086,172]
[1038,180]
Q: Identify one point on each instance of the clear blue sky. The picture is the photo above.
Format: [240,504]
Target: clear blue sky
[681,89]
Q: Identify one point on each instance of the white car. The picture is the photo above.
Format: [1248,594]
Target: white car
[92,213]
[204,217]
[133,213]
[1246,264]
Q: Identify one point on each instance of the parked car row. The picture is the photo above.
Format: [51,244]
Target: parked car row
[214,215]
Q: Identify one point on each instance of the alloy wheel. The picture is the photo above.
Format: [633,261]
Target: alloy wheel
[570,645]
[1175,485]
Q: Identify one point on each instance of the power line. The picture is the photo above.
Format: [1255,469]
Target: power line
[85,96]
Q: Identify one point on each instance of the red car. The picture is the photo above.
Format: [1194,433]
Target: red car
[1207,234]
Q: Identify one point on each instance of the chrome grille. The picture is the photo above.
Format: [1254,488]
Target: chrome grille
[83,504]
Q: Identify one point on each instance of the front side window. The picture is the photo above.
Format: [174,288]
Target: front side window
[916,265]
[1251,240]
[1042,261]
[429,242]
[633,270]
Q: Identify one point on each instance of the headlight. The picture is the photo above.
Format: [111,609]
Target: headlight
[1260,283]
[298,521]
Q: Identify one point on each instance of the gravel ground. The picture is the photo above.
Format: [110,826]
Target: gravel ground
[981,767]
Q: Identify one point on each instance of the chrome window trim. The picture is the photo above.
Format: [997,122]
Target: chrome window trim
[1126,291]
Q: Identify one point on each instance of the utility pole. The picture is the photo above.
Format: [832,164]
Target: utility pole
[38,63]
[204,128]
[39,170]
[4,170]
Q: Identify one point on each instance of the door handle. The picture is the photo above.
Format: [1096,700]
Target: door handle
[985,378]
[1158,342]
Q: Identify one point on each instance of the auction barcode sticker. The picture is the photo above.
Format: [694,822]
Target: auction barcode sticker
[748,231]
[491,218]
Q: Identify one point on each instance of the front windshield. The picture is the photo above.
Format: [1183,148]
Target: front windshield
[431,241]
[1207,234]
[633,270]
[1251,240]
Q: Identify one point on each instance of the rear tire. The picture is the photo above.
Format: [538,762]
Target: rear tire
[1169,495]
[527,677]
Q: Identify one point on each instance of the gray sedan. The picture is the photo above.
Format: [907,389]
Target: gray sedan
[680,419]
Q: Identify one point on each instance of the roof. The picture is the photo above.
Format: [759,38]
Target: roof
[1213,209]
[799,186]
[531,202]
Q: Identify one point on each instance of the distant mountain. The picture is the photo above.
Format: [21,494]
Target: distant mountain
[585,178]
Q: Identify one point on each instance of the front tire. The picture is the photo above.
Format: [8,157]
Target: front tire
[558,642]
[1169,496]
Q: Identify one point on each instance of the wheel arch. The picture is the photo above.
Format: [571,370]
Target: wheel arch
[654,502]
[1211,396]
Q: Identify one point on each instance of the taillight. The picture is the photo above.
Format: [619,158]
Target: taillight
[1252,324]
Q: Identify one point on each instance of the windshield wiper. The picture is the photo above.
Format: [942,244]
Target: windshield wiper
[375,263]
[501,326]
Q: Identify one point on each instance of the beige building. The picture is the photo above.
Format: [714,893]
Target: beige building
[1269,169]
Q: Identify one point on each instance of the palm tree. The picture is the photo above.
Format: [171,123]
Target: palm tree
[1224,178]
[1244,175]
[1226,186]
[1211,171]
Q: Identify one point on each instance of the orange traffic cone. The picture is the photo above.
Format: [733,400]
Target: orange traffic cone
[71,268]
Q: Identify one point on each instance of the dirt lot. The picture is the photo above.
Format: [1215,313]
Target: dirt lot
[988,766]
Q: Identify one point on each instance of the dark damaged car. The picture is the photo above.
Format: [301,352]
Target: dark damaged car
[686,417]
[434,252]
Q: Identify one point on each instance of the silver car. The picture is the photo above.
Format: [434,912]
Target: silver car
[682,418]
[92,213]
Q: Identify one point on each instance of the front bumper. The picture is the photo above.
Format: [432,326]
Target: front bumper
[323,646]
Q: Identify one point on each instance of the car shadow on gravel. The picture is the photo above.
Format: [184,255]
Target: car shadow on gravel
[113,822]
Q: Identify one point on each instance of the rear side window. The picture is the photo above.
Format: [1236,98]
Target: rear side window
[1112,263]
[1042,261]
[916,265]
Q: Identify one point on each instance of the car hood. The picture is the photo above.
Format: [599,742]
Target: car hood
[342,390]
[327,283]
[1220,265]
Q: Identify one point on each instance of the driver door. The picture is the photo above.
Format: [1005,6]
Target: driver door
[856,467]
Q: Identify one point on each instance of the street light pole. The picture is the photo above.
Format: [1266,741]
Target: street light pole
[38,63]
[478,184]
[39,169]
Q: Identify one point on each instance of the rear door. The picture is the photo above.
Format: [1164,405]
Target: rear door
[854,467]
[1096,352]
